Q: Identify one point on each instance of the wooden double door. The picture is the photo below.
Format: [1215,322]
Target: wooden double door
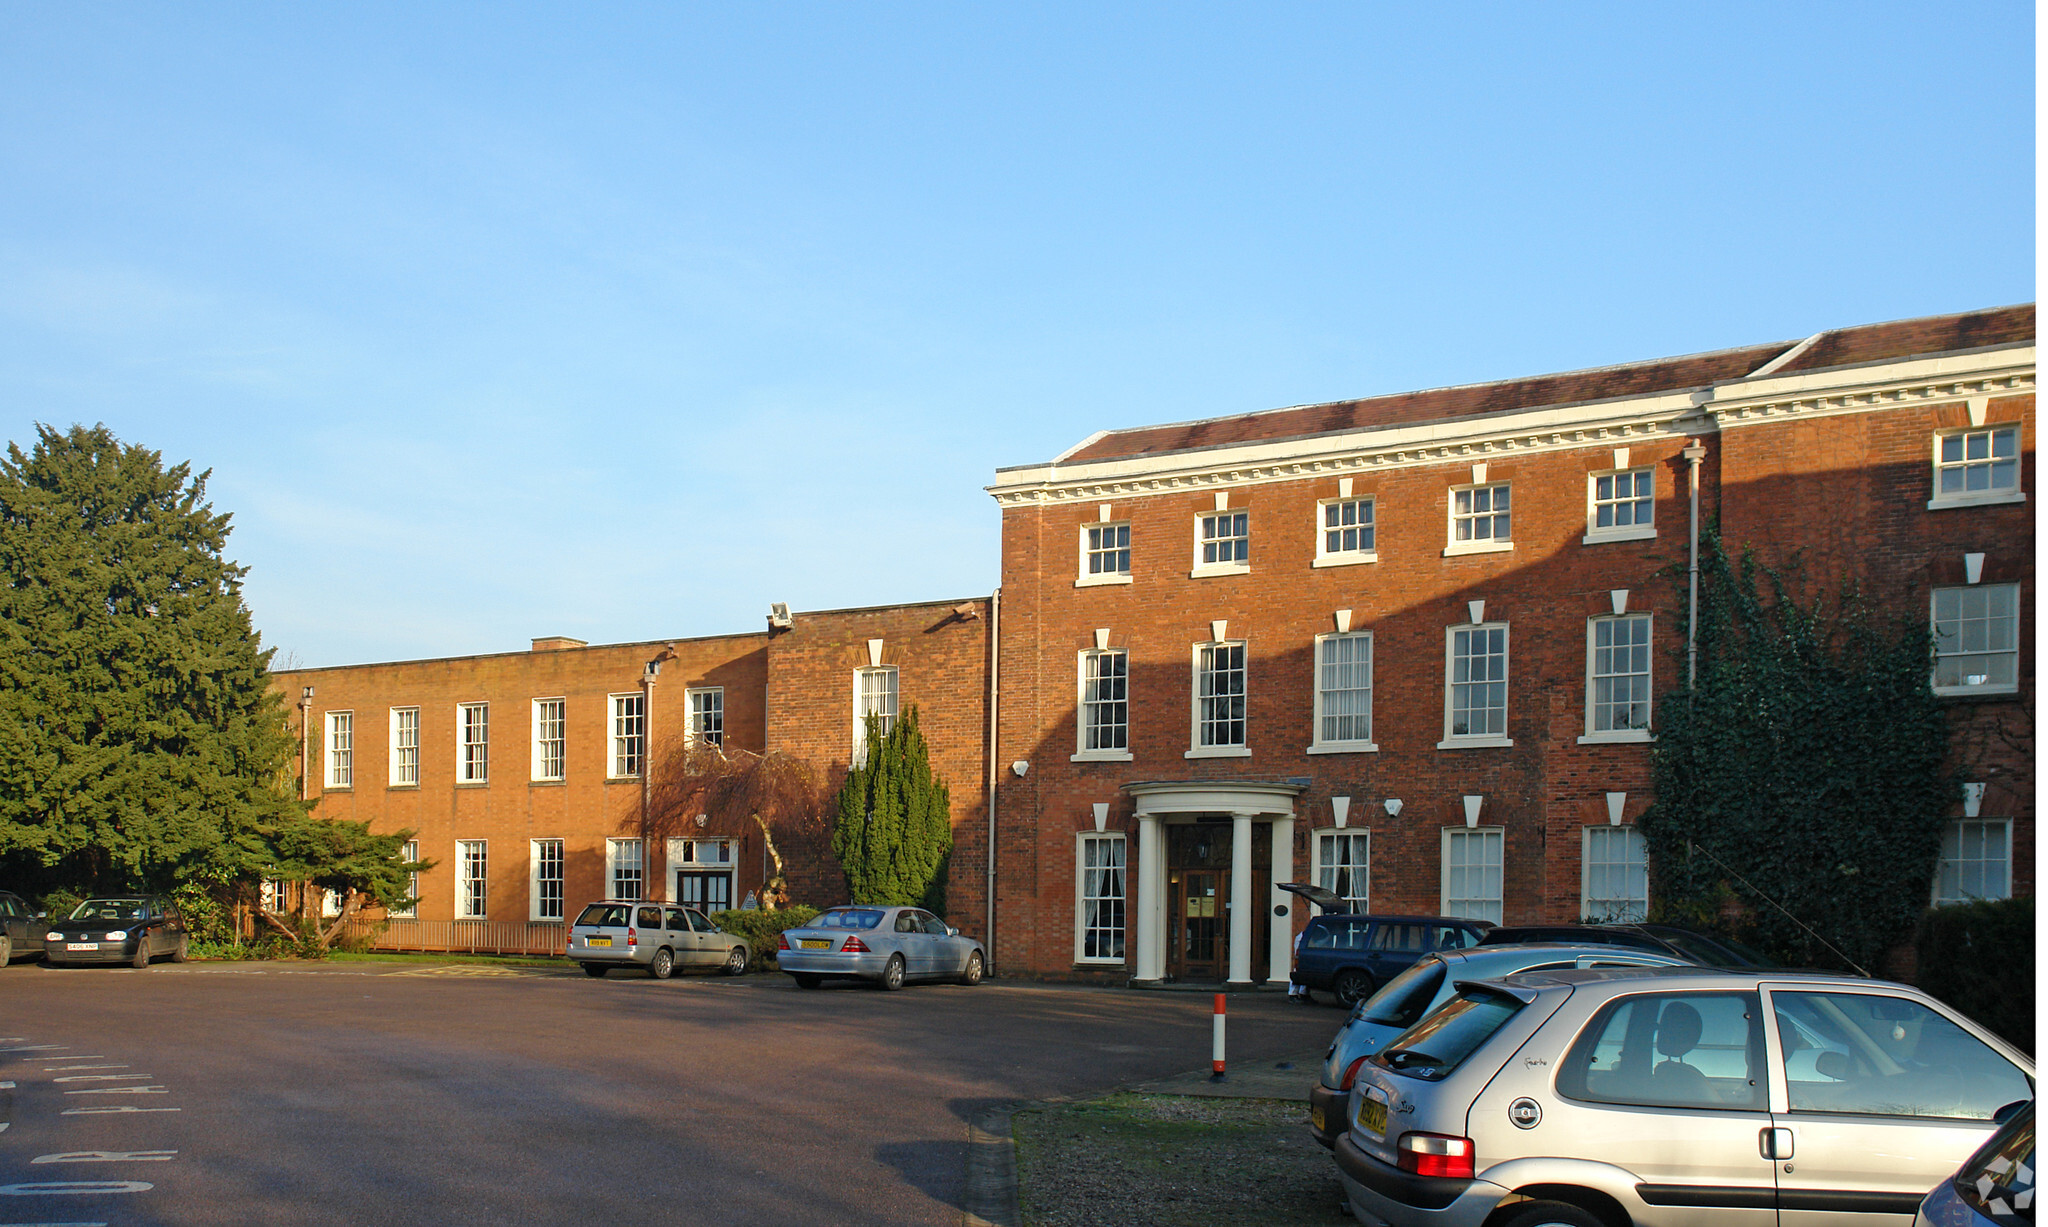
[1199,904]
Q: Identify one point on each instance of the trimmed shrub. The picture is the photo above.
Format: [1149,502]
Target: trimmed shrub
[761,929]
[1979,958]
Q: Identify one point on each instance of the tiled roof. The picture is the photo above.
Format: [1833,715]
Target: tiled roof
[1842,347]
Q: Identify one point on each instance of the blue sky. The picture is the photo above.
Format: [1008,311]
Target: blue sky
[622,321]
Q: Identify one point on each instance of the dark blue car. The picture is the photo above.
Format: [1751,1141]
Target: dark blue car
[1350,954]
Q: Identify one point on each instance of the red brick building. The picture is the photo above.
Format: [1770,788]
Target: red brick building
[1410,647]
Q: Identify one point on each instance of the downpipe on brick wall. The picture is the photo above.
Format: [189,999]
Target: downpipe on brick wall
[1694,453]
[995,644]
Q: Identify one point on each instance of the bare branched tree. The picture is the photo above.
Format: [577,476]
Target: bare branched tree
[732,789]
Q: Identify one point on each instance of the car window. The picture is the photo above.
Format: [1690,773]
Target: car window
[1338,933]
[906,922]
[1880,1055]
[1438,1044]
[1451,937]
[612,914]
[1400,938]
[935,926]
[1674,1050]
[1404,999]
[649,918]
[678,920]
[849,918]
[700,922]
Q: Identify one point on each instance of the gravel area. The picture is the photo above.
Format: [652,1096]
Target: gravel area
[1171,1159]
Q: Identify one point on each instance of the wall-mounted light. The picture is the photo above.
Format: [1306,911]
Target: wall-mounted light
[1393,806]
[702,819]
[1020,767]
[306,695]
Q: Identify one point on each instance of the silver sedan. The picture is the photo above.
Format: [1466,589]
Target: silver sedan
[888,945]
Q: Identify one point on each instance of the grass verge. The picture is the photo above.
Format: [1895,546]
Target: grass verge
[1188,1161]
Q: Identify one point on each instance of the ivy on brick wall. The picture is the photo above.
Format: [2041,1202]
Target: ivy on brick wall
[894,832]
[1804,769]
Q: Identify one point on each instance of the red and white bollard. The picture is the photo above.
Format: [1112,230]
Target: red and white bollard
[1216,1042]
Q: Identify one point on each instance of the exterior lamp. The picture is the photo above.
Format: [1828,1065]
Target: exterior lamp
[1393,806]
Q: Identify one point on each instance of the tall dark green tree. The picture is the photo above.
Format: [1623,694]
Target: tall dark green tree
[141,745]
[894,832]
[1800,783]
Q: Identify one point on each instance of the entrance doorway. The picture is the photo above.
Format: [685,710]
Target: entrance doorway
[1202,943]
[711,891]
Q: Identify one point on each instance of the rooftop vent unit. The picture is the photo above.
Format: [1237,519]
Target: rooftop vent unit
[778,615]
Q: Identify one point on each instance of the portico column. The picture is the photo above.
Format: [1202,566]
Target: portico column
[1150,963]
[1241,902]
[1280,950]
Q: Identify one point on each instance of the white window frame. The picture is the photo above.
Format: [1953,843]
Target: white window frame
[1487,545]
[409,854]
[404,758]
[625,860]
[1619,532]
[1467,741]
[1463,836]
[1083,912]
[625,740]
[1082,705]
[1317,743]
[894,692]
[541,742]
[1955,828]
[1934,625]
[700,704]
[1317,863]
[472,879]
[1634,907]
[339,751]
[1979,498]
[1595,735]
[472,768]
[537,863]
[1083,577]
[1201,569]
[1327,557]
[1196,749]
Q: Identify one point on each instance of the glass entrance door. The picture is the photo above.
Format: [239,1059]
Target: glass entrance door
[710,890]
[1200,942]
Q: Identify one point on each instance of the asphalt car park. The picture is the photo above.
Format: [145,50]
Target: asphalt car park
[350,1092]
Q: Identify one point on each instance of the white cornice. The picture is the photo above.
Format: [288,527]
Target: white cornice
[1499,436]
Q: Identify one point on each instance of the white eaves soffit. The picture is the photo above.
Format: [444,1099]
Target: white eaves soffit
[1872,387]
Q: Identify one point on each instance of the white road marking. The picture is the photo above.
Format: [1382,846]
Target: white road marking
[119,1090]
[36,1048]
[108,1156]
[53,1225]
[4,1124]
[103,1077]
[114,1107]
[74,1188]
[6,1086]
[58,1069]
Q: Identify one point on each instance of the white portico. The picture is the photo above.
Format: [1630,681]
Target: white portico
[1173,922]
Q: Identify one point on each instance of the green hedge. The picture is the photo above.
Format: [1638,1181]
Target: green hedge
[1979,958]
[761,930]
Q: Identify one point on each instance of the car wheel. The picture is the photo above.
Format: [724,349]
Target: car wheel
[805,979]
[973,973]
[1551,1214]
[736,961]
[141,953]
[1351,986]
[184,950]
[6,949]
[595,970]
[892,974]
[663,965]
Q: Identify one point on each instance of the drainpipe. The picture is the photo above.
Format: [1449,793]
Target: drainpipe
[995,643]
[305,743]
[1694,453]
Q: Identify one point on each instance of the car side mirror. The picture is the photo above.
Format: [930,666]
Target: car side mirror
[951,931]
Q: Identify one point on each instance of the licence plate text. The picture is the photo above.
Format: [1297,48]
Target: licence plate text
[81,945]
[599,941]
[1372,1115]
[814,943]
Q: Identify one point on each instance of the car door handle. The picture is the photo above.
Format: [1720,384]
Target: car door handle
[1775,1143]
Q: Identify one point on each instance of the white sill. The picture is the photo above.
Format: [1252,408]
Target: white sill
[1097,581]
[338,788]
[1346,560]
[1210,570]
[1938,503]
[1617,737]
[1219,752]
[1475,743]
[1098,962]
[1634,532]
[1952,692]
[1344,747]
[1477,547]
[1101,756]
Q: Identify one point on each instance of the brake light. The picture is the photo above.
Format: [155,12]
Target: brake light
[1436,1154]
[854,945]
[782,941]
[1350,1074]
[632,936]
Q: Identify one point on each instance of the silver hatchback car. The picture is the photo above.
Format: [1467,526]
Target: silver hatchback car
[1604,1098]
[659,937]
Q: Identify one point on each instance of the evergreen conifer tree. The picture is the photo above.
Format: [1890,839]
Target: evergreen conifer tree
[894,833]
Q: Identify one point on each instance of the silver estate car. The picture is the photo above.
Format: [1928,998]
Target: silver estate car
[887,945]
[1424,987]
[660,937]
[1604,1098]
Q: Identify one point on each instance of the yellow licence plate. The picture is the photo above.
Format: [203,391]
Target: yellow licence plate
[814,943]
[1315,1117]
[599,941]
[1372,1115]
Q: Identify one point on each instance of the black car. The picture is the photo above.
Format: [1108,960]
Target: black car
[130,929]
[1351,954]
[1708,950]
[21,929]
